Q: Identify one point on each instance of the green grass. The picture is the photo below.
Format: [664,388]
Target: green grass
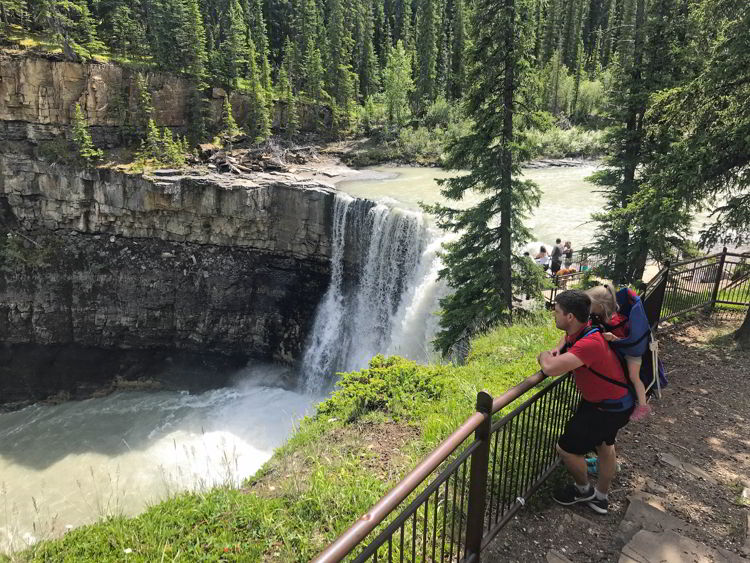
[375,428]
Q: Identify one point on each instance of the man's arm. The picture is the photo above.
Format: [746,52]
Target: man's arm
[558,364]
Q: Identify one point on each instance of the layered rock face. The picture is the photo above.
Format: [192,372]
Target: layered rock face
[97,260]
[106,275]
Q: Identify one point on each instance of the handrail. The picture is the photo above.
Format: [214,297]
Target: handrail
[347,541]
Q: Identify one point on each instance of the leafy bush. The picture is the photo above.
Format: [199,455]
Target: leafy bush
[392,385]
[560,143]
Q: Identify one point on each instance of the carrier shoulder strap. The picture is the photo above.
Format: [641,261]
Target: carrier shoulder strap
[588,332]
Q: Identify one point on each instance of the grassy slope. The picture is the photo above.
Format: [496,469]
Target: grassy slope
[372,431]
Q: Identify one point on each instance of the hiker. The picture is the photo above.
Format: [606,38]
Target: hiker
[606,402]
[557,255]
[568,254]
[542,258]
[605,309]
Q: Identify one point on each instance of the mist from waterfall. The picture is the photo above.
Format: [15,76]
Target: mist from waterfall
[383,292]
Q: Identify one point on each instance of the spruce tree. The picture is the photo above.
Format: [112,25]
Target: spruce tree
[427,52]
[233,45]
[458,51]
[87,152]
[258,33]
[258,122]
[290,120]
[484,266]
[626,254]
[341,78]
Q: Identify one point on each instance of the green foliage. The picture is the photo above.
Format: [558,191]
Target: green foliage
[161,148]
[390,385]
[229,128]
[398,85]
[87,152]
[562,143]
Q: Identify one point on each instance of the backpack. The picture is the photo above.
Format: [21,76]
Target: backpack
[637,342]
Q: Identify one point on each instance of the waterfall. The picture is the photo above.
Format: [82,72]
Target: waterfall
[383,291]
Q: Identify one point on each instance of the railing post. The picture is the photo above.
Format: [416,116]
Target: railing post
[719,272]
[480,460]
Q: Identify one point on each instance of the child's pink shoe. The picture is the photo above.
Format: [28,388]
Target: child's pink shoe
[640,412]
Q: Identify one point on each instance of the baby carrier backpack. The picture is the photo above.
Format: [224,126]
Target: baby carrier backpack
[640,341]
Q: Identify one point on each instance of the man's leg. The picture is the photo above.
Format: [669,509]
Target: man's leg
[576,465]
[607,466]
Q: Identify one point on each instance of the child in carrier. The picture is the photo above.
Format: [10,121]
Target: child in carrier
[604,307]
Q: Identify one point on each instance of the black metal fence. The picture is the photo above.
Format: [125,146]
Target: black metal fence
[480,488]
[718,284]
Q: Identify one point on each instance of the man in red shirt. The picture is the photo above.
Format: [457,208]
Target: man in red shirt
[606,401]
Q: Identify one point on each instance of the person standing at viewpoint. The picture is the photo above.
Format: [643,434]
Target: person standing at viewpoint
[606,402]
[557,256]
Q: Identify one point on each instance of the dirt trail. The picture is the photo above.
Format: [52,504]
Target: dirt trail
[702,422]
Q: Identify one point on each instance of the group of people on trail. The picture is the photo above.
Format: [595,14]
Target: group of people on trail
[561,254]
[612,393]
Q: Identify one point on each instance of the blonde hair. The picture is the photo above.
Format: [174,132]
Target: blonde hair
[603,300]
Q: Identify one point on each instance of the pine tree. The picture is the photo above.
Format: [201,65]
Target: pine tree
[609,41]
[258,123]
[229,127]
[194,35]
[458,51]
[258,33]
[483,265]
[87,152]
[290,121]
[368,63]
[71,23]
[233,45]
[341,78]
[551,29]
[627,254]
[426,52]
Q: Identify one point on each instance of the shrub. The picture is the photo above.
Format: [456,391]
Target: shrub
[392,385]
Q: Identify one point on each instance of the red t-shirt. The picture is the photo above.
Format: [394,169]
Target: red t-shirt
[595,353]
[621,322]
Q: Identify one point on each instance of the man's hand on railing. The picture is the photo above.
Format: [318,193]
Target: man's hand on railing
[554,364]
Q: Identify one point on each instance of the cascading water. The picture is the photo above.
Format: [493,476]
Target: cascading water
[383,291]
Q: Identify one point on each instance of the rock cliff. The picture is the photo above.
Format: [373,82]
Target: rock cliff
[107,275]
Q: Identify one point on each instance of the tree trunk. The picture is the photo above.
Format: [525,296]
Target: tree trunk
[506,195]
[742,336]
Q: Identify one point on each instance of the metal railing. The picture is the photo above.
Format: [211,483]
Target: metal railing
[482,483]
[717,284]
[457,514]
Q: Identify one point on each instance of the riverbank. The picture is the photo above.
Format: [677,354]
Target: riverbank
[360,442]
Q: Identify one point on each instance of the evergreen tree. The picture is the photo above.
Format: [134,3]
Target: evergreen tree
[71,23]
[368,62]
[551,31]
[341,78]
[124,30]
[609,41]
[290,119]
[427,52]
[458,51]
[258,33]
[233,45]
[258,123]
[85,148]
[484,266]
[625,249]
[229,127]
